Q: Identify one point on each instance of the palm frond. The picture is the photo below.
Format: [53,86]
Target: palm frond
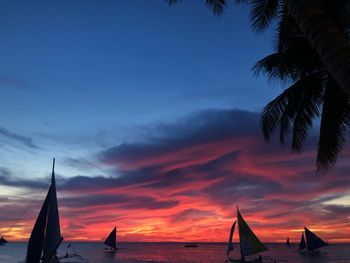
[309,108]
[296,106]
[170,2]
[291,110]
[291,63]
[217,6]
[276,66]
[271,115]
[334,124]
[287,28]
[262,12]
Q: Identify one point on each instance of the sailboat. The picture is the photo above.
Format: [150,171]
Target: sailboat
[287,242]
[302,244]
[111,241]
[3,240]
[312,243]
[46,235]
[249,242]
[230,244]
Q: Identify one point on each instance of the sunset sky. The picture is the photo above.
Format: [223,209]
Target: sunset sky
[152,112]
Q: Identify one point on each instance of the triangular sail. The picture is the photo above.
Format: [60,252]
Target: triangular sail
[313,242]
[3,240]
[111,239]
[53,233]
[287,242]
[36,240]
[46,236]
[230,244]
[249,242]
[302,244]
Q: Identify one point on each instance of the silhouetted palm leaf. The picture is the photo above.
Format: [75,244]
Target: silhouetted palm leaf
[308,109]
[298,105]
[290,63]
[262,12]
[334,124]
[313,89]
[276,66]
[217,6]
[286,28]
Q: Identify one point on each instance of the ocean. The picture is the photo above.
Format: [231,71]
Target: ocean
[175,253]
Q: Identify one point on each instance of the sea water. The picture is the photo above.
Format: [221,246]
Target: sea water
[175,253]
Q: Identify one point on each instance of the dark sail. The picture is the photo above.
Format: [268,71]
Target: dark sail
[313,242]
[36,240]
[111,239]
[230,245]
[53,233]
[288,243]
[45,237]
[3,241]
[249,242]
[302,244]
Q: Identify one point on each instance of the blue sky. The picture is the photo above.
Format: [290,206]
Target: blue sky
[78,74]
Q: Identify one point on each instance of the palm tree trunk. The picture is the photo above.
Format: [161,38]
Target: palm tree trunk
[325,37]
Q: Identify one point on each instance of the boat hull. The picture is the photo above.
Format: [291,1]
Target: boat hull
[191,245]
[231,260]
[110,250]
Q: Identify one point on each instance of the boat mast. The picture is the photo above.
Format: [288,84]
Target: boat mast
[240,238]
[53,171]
[53,236]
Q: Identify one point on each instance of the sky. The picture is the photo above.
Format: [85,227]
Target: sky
[152,113]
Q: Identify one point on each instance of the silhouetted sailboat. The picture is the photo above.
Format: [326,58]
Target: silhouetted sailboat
[312,243]
[46,235]
[287,242]
[3,241]
[230,244]
[302,244]
[111,241]
[249,242]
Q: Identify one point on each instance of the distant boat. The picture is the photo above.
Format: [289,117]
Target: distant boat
[46,235]
[287,242]
[3,241]
[249,242]
[191,245]
[313,242]
[111,241]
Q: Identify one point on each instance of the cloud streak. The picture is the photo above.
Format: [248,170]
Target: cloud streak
[26,141]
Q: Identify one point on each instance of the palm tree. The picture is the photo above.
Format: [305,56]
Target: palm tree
[324,36]
[313,93]
[313,53]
